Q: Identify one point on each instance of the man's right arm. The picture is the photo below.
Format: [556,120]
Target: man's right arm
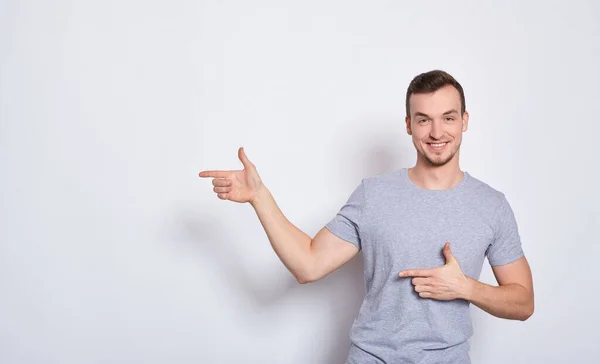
[307,259]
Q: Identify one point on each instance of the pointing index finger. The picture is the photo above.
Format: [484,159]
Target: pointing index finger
[416,273]
[214,174]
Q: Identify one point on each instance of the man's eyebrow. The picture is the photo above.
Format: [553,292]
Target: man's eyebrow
[452,111]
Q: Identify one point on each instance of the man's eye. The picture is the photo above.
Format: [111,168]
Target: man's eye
[422,120]
[449,119]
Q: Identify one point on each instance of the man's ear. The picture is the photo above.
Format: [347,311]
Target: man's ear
[465,118]
[408,128]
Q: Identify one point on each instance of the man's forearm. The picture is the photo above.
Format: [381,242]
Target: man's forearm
[291,244]
[510,301]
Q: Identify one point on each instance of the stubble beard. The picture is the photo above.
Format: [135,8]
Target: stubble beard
[437,161]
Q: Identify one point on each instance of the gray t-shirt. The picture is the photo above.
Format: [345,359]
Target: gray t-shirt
[399,225]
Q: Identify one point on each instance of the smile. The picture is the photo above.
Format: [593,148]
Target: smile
[437,146]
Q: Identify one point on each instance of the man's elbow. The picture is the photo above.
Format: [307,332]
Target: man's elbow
[308,272]
[309,275]
[527,313]
[306,275]
[305,278]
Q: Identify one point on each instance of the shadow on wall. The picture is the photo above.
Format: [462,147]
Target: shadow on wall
[260,296]
[374,150]
[379,146]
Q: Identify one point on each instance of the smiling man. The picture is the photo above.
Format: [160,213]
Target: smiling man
[424,232]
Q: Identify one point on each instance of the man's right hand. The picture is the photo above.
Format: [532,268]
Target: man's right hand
[238,186]
[307,259]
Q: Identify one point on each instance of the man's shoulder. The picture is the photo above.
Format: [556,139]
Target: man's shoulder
[385,176]
[484,191]
[384,179]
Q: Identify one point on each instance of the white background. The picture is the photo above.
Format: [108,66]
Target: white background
[112,250]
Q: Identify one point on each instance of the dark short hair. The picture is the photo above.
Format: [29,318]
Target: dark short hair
[430,82]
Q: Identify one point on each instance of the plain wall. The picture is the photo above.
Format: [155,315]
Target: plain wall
[112,250]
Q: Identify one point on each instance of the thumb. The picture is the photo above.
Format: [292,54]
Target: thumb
[448,254]
[244,159]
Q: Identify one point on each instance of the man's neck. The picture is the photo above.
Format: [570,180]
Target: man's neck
[431,177]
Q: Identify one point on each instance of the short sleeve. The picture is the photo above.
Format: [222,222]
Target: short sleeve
[347,222]
[506,247]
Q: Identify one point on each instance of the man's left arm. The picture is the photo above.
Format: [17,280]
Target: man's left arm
[512,298]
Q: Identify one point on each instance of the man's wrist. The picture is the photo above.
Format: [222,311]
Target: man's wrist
[469,288]
[261,195]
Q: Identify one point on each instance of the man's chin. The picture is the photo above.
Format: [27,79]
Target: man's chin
[437,161]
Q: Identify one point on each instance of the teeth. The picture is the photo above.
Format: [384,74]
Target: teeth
[438,144]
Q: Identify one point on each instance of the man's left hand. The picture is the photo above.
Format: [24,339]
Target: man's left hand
[444,283]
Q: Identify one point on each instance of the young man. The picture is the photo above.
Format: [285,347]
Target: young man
[424,232]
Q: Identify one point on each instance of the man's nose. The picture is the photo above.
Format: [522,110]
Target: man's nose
[436,130]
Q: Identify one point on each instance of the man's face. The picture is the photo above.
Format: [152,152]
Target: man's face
[436,124]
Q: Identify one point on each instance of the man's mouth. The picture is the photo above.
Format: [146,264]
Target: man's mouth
[437,146]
